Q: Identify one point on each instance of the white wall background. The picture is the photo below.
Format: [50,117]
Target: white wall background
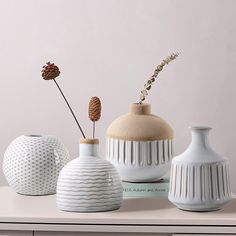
[109,48]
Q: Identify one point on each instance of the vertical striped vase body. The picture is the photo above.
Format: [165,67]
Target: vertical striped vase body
[199,178]
[139,145]
[32,164]
[89,183]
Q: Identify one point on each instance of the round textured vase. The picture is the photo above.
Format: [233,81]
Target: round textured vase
[32,164]
[89,183]
[199,177]
[139,144]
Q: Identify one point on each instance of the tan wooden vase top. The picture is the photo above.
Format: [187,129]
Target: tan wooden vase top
[140,125]
[139,145]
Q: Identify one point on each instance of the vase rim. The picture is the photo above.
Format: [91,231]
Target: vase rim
[200,127]
[89,141]
[140,108]
[33,135]
[141,104]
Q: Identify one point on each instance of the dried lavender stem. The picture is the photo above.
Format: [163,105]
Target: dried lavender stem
[69,108]
[152,79]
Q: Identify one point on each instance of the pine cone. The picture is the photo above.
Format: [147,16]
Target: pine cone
[94,109]
[50,71]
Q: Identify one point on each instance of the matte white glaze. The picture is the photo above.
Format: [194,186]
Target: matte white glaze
[139,161]
[199,178]
[89,183]
[139,144]
[32,164]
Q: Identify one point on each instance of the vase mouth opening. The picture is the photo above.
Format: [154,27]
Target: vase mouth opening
[89,141]
[33,135]
[200,127]
[140,108]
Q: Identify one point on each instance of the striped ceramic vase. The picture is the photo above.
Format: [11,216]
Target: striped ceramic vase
[139,145]
[199,178]
[89,183]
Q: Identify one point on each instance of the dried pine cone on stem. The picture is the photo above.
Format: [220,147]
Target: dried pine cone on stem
[94,111]
[50,72]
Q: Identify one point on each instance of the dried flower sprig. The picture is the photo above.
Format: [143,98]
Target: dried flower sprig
[50,72]
[152,79]
[94,111]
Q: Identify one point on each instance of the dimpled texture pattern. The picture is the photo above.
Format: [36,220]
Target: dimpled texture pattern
[32,164]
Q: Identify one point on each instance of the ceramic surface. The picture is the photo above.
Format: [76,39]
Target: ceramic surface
[139,161]
[140,145]
[89,183]
[32,164]
[199,178]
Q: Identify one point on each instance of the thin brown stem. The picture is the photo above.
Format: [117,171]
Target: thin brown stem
[93,129]
[69,108]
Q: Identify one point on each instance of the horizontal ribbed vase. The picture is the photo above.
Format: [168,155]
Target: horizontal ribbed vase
[199,178]
[140,145]
[89,183]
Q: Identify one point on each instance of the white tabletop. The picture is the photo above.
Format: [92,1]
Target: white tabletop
[15,208]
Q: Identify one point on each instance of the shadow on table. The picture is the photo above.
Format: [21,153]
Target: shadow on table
[229,208]
[145,204]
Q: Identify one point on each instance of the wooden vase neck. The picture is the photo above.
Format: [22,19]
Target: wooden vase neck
[89,147]
[140,109]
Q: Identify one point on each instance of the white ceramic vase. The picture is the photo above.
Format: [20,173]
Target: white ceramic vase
[199,178]
[32,164]
[139,145]
[89,183]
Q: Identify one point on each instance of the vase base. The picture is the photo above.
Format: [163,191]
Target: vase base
[91,210]
[198,208]
[36,195]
